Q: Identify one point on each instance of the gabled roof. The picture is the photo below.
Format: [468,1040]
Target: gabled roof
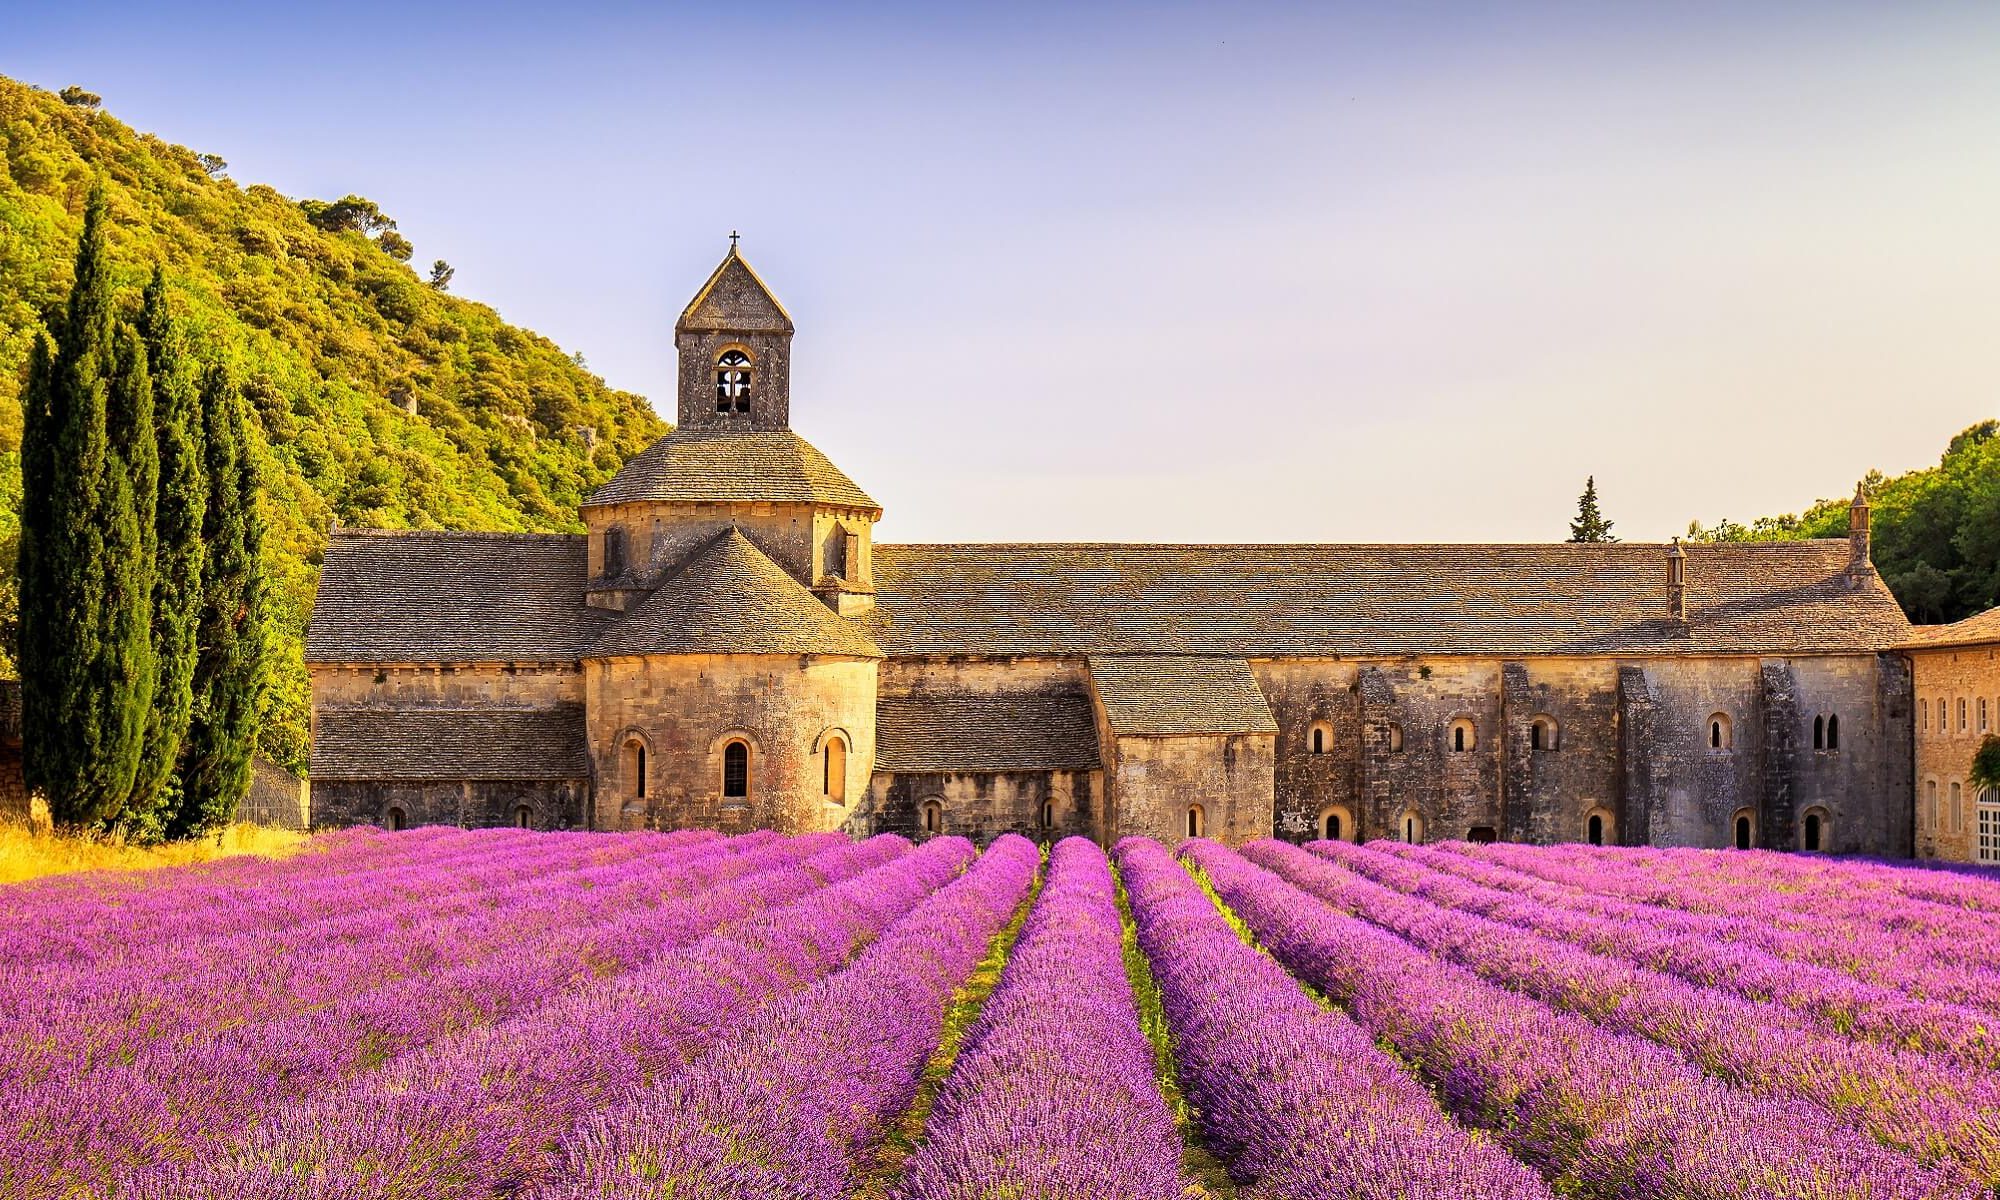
[387,596]
[734,300]
[1158,695]
[1980,629]
[1005,731]
[730,598]
[450,743]
[725,466]
[1375,601]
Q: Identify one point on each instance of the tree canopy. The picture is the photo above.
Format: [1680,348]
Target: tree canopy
[1590,525]
[333,340]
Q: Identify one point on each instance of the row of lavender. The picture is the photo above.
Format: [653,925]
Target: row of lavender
[508,1015]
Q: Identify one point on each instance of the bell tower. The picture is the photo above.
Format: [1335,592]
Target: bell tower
[735,345]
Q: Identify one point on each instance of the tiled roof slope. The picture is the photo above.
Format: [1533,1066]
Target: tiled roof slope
[449,743]
[1262,601]
[721,466]
[1024,731]
[1976,630]
[1160,695]
[730,598]
[451,597]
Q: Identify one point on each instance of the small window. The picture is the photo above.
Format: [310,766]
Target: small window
[736,770]
[1924,714]
[1413,826]
[1543,734]
[635,768]
[1197,821]
[1833,732]
[1957,807]
[1961,714]
[1462,736]
[1336,823]
[1048,814]
[1395,739]
[732,382]
[1746,830]
[1482,835]
[933,815]
[1813,831]
[398,820]
[833,770]
[1819,733]
[524,817]
[1595,834]
[1982,714]
[1720,735]
[1321,738]
[1931,805]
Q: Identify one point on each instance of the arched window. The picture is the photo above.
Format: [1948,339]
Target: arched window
[1746,829]
[524,817]
[1931,805]
[1395,739]
[1413,826]
[398,820]
[1819,733]
[1336,823]
[736,770]
[732,382]
[1833,732]
[1924,714]
[1197,821]
[933,814]
[1544,734]
[635,768]
[1594,832]
[1957,807]
[1961,714]
[1813,830]
[1720,735]
[1048,814]
[1321,737]
[833,770]
[1982,714]
[1330,829]
[1462,736]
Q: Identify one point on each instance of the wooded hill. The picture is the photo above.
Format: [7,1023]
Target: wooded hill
[377,399]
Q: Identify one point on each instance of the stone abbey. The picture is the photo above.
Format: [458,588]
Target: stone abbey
[728,647]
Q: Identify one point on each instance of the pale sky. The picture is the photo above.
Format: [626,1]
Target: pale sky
[1186,272]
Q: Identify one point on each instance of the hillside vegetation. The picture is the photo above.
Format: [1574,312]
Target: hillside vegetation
[377,398]
[1936,531]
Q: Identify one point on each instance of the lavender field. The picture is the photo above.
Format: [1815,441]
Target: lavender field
[453,1014]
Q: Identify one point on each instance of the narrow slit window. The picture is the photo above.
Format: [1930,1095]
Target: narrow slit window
[1833,732]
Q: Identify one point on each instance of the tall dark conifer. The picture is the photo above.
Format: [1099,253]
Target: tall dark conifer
[122,675]
[177,585]
[1590,525]
[62,565]
[228,673]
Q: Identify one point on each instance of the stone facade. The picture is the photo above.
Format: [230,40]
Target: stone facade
[727,647]
[1956,675]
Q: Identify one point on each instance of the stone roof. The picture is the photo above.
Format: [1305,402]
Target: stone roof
[730,598]
[451,597]
[449,743]
[1006,731]
[728,466]
[734,299]
[1976,630]
[1161,695]
[1374,600]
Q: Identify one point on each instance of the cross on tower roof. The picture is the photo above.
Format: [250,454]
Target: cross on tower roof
[733,235]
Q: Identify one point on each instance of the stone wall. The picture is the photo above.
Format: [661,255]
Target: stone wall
[277,798]
[449,685]
[1944,748]
[804,539]
[984,805]
[472,804]
[684,709]
[1154,781]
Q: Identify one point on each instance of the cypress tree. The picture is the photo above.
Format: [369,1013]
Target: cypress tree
[122,674]
[62,563]
[228,672]
[1590,525]
[177,578]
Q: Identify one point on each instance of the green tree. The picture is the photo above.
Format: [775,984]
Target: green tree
[395,245]
[126,496]
[177,578]
[349,214]
[1985,771]
[79,98]
[71,745]
[229,663]
[441,273]
[1590,525]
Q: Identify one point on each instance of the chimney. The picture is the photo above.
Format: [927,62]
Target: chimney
[1677,595]
[1860,564]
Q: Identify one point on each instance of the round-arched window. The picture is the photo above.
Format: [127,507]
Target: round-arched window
[1336,823]
[524,817]
[1720,736]
[933,816]
[1544,734]
[1197,821]
[1461,736]
[398,819]
[736,770]
[1745,829]
[732,382]
[1412,827]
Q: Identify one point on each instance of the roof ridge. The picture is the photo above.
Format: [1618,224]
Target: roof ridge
[1821,543]
[495,535]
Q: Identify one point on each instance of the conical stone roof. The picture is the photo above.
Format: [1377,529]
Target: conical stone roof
[730,598]
[728,466]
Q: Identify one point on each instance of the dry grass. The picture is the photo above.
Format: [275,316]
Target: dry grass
[28,854]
